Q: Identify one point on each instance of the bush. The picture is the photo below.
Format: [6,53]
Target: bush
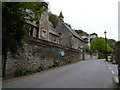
[117,43]
[91,52]
[22,73]
[18,73]
[101,55]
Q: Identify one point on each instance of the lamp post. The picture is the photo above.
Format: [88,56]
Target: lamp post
[106,45]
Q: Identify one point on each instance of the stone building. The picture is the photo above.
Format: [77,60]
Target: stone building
[44,50]
[43,29]
[63,34]
[68,37]
[33,29]
[53,35]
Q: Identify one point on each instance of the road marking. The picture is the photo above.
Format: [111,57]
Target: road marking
[109,68]
[117,68]
[107,64]
[113,72]
[116,79]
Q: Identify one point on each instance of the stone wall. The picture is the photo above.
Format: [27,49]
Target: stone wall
[38,53]
[91,57]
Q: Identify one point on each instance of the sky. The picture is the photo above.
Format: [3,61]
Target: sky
[91,16]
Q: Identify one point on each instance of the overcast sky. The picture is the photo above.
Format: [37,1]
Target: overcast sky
[92,16]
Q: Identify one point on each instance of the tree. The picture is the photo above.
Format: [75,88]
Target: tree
[83,34]
[53,19]
[111,43]
[98,43]
[13,25]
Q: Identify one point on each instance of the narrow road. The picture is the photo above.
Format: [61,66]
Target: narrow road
[83,74]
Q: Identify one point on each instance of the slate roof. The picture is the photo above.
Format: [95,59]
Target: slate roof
[73,32]
[52,30]
[31,23]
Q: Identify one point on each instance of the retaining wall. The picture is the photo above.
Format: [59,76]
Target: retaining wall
[38,54]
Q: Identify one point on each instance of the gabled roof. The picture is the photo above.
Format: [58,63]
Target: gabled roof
[73,32]
[52,30]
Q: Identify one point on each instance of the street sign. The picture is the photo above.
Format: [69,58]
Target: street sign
[62,53]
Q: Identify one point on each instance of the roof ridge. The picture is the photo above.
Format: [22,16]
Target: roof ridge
[73,32]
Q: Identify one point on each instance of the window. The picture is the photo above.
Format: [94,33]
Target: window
[44,33]
[34,32]
[31,31]
[55,40]
[60,34]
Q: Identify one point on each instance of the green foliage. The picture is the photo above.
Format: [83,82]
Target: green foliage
[53,19]
[91,52]
[13,22]
[101,55]
[14,29]
[98,43]
[111,43]
[117,43]
[22,73]
[83,34]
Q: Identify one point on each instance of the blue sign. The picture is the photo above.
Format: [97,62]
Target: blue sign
[62,53]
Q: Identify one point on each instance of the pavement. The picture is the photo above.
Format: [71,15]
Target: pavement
[83,74]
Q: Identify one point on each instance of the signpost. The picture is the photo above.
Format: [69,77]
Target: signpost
[62,53]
